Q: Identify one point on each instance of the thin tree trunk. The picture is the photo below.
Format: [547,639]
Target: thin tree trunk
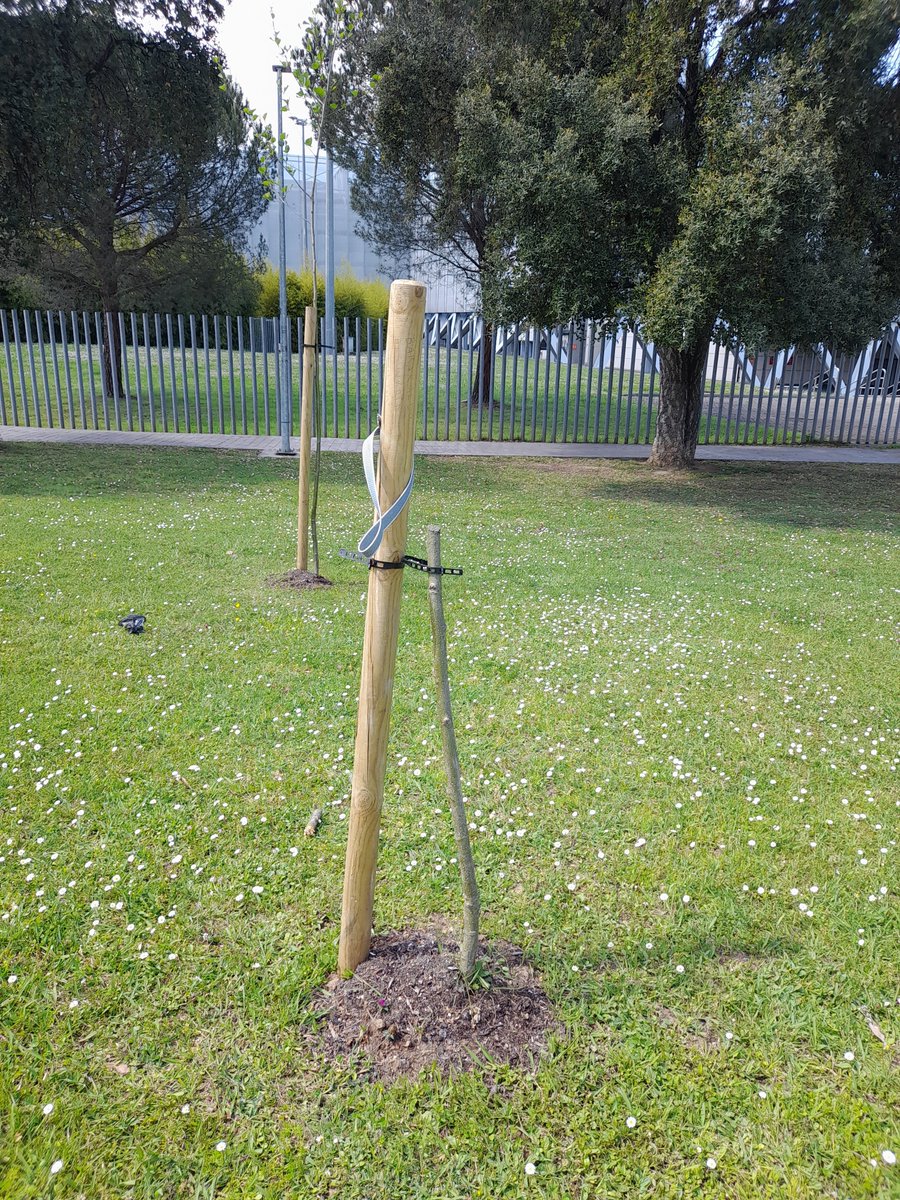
[481,385]
[471,898]
[680,404]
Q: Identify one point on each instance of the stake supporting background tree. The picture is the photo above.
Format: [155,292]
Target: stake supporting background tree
[403,353]
[306,409]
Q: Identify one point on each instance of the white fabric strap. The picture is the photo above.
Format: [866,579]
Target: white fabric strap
[371,539]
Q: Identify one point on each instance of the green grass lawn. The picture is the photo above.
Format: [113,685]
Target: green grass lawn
[676,701]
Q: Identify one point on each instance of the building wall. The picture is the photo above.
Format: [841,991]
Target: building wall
[446,292]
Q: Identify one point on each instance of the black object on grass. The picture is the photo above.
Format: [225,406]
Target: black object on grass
[134,622]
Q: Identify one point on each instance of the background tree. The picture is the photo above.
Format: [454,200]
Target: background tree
[733,173]
[130,162]
[401,88]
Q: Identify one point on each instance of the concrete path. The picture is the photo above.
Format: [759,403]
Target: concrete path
[266,447]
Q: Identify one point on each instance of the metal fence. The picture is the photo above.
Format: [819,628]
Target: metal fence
[586,382]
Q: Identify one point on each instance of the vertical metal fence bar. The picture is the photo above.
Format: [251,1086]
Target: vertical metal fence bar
[241,367]
[105,357]
[267,421]
[708,403]
[185,394]
[459,359]
[483,362]
[220,394]
[844,374]
[720,402]
[768,377]
[115,364]
[23,390]
[639,408]
[173,386]
[891,363]
[556,378]
[895,392]
[357,345]
[790,398]
[126,373]
[860,399]
[776,424]
[621,384]
[630,385]
[335,377]
[602,360]
[523,416]
[51,334]
[229,346]
[425,383]
[585,435]
[67,368]
[4,417]
[323,378]
[578,379]
[88,342]
[751,435]
[254,383]
[368,374]
[207,373]
[547,362]
[3,413]
[45,379]
[468,401]
[346,377]
[492,383]
[650,395]
[536,380]
[137,371]
[840,402]
[160,367]
[148,365]
[437,371]
[568,392]
[740,368]
[806,387]
[195,364]
[504,348]
[613,335]
[380,362]
[35,396]
[447,370]
[14,407]
[514,384]
[819,386]
[881,388]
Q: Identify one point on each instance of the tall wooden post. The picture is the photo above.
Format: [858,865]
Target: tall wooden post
[403,354]
[306,413]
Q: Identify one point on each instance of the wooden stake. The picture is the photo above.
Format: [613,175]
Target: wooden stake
[468,947]
[403,354]
[306,412]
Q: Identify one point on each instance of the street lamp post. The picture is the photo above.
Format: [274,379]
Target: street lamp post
[284,333]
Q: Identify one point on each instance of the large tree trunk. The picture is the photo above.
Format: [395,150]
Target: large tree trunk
[481,384]
[112,353]
[680,402]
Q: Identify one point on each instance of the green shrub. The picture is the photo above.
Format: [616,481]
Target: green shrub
[362,298]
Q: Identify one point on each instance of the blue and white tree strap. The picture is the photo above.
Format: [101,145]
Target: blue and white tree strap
[371,540]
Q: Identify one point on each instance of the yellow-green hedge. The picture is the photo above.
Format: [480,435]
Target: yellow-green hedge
[353,298]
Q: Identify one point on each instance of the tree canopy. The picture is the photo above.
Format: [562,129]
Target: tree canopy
[734,173]
[127,160]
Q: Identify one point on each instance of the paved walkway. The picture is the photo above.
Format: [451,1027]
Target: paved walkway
[266,447]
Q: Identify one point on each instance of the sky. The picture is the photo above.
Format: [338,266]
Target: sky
[247,39]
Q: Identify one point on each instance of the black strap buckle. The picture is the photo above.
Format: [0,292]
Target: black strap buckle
[409,560]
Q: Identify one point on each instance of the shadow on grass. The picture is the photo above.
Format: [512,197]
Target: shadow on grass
[806,496]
